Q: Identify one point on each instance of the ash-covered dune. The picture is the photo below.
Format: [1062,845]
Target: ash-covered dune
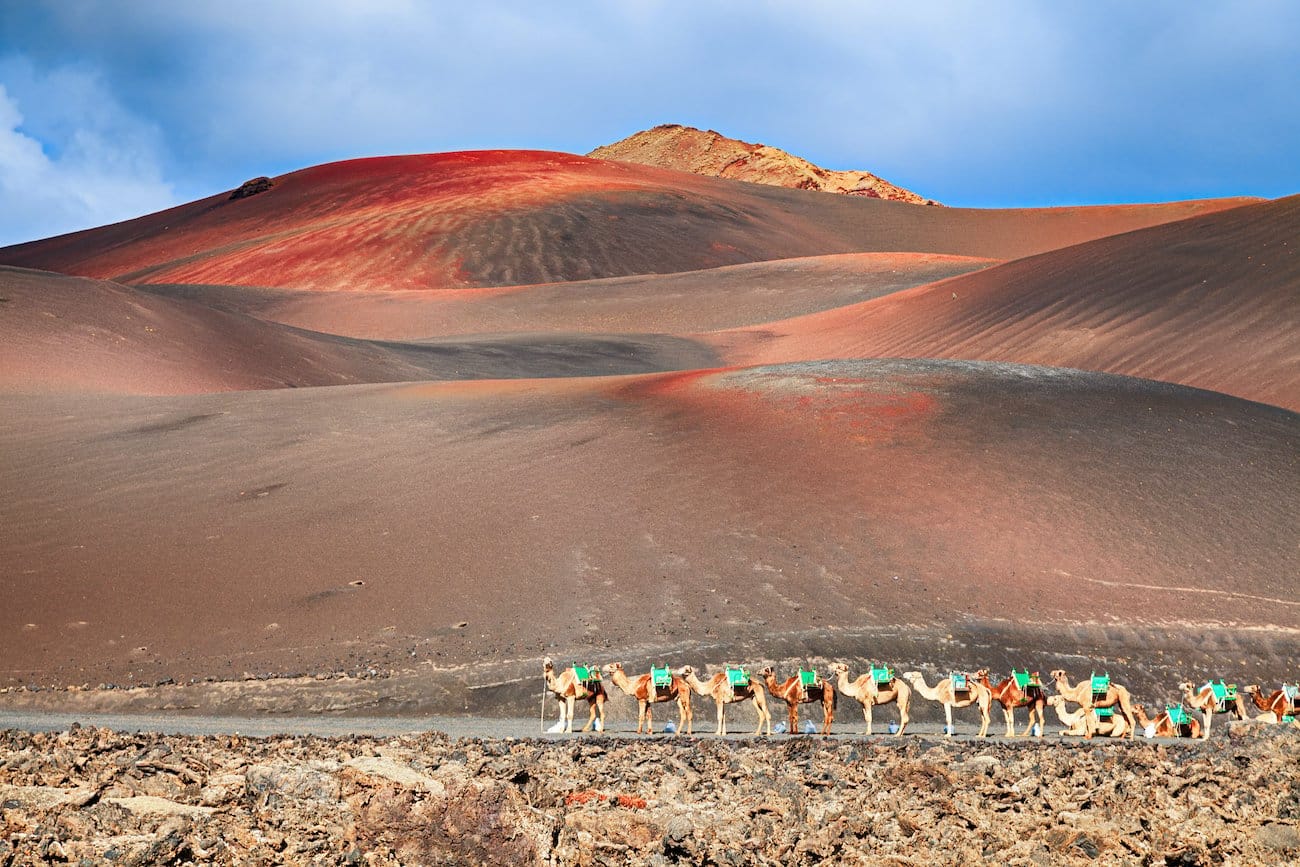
[1212,302]
[720,512]
[498,218]
[75,334]
[684,303]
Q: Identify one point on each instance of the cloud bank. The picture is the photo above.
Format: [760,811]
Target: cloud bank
[979,104]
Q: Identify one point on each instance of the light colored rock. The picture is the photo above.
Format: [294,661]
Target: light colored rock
[149,805]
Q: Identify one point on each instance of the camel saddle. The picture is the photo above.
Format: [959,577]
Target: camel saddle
[960,683]
[1027,683]
[661,678]
[883,676]
[1292,693]
[1100,685]
[586,674]
[808,678]
[1103,713]
[1224,693]
[737,677]
[1178,716]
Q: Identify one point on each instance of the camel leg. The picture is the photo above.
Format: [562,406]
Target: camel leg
[794,716]
[828,711]
[650,715]
[568,714]
[641,709]
[600,712]
[722,717]
[984,720]
[1126,705]
[591,715]
[866,715]
[947,712]
[1209,715]
[1009,714]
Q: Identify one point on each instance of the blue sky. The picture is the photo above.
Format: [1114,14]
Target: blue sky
[111,110]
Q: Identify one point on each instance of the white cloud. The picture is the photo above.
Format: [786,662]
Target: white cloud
[95,165]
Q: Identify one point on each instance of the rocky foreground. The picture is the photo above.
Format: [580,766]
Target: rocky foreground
[94,796]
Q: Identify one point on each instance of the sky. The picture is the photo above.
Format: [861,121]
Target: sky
[109,110]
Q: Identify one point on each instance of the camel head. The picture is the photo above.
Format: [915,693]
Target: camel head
[547,664]
[982,674]
[1253,689]
[911,676]
[1058,675]
[612,667]
[685,671]
[1186,687]
[1056,700]
[839,668]
[767,671]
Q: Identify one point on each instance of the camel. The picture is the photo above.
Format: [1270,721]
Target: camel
[1163,726]
[1011,695]
[1078,722]
[567,688]
[1204,701]
[943,691]
[870,693]
[1082,695]
[1275,708]
[724,693]
[793,693]
[647,695]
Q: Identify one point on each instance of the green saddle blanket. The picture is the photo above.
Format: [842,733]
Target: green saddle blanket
[1224,694]
[1025,681]
[661,677]
[1177,715]
[737,677]
[960,683]
[807,678]
[1104,713]
[1100,684]
[586,673]
[882,675]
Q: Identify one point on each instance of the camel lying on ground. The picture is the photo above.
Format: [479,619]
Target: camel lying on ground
[1082,695]
[1011,695]
[870,693]
[724,693]
[1163,726]
[944,692]
[1275,708]
[647,695]
[567,688]
[1077,722]
[793,693]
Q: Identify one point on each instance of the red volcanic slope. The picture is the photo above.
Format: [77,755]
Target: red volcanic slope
[691,301]
[62,333]
[517,217]
[225,533]
[1212,302]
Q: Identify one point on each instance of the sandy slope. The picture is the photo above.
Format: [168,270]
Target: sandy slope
[683,303]
[1212,302]
[496,218]
[299,528]
[62,333]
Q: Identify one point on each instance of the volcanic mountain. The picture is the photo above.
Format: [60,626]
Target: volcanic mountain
[446,413]
[705,152]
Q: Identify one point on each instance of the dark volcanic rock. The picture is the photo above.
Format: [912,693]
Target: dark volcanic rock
[94,796]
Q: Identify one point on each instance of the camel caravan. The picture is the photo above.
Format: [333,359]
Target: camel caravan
[1088,708]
